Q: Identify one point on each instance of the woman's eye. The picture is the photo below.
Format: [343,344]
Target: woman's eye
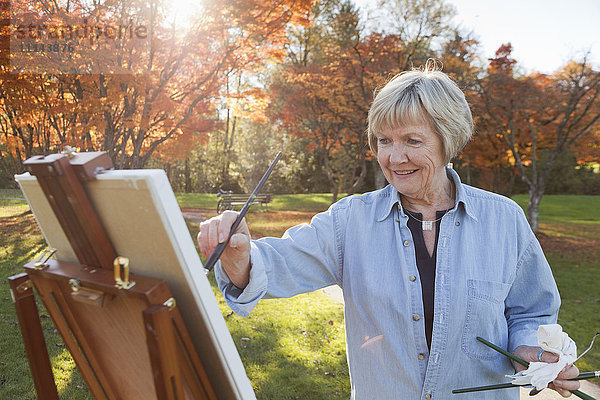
[414,141]
[383,140]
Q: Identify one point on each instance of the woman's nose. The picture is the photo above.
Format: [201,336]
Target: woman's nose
[398,154]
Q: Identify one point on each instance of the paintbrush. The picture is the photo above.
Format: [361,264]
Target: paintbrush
[524,363]
[582,376]
[214,257]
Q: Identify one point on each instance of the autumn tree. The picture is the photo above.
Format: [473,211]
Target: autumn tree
[536,118]
[311,97]
[325,90]
[139,97]
[420,25]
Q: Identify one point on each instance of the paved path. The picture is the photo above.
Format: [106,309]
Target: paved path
[586,386]
[194,215]
[198,216]
[547,394]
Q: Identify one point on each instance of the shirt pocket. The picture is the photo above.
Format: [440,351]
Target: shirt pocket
[485,318]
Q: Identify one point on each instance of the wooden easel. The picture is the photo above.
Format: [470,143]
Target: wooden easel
[123,330]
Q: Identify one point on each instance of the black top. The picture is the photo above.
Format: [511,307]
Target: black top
[425,265]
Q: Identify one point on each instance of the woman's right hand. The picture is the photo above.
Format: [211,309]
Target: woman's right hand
[236,257]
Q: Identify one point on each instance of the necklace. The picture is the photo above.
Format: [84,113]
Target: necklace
[427,225]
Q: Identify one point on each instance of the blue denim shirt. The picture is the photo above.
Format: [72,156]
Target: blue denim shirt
[492,280]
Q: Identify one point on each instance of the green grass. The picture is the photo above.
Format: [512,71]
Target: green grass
[300,354]
[294,348]
[566,208]
[11,193]
[315,202]
[580,310]
[208,201]
[10,208]
[20,242]
[280,202]
[296,354]
[202,201]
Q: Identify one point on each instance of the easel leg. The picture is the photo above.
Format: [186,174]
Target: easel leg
[163,353]
[33,336]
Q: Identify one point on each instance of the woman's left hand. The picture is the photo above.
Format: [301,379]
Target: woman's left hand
[561,384]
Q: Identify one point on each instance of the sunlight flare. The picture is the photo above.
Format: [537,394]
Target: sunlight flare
[182,14]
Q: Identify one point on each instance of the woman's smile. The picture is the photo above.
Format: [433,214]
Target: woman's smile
[405,172]
[412,160]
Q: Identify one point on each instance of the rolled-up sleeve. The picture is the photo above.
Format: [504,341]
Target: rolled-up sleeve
[306,258]
[243,301]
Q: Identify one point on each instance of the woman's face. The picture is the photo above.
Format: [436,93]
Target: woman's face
[412,160]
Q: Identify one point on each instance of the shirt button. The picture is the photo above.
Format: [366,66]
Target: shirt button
[428,396]
[406,243]
[421,356]
[416,317]
[413,278]
[397,219]
[457,223]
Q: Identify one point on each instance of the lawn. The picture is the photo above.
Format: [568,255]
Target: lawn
[20,241]
[280,202]
[293,348]
[300,353]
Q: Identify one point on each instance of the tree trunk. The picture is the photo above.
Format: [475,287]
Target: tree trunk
[188,178]
[330,177]
[169,174]
[334,193]
[379,180]
[533,208]
[537,187]
[468,178]
[511,185]
[361,177]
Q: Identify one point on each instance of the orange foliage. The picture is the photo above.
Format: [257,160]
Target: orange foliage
[145,97]
[525,122]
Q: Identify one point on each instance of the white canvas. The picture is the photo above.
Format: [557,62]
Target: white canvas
[142,218]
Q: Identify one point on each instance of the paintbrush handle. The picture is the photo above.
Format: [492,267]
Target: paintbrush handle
[524,363]
[216,254]
[586,375]
[487,387]
[506,353]
[580,377]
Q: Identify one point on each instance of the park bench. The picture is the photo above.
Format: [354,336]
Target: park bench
[228,200]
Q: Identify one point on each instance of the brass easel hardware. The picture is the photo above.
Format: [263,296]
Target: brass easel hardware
[69,151]
[170,303]
[75,284]
[23,287]
[86,295]
[122,283]
[41,263]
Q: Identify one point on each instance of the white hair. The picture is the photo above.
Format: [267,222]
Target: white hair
[422,96]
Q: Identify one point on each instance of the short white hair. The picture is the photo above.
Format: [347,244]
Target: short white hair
[422,96]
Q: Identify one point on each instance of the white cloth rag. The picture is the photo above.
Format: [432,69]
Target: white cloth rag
[550,338]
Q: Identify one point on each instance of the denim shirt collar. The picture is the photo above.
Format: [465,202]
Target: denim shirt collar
[389,199]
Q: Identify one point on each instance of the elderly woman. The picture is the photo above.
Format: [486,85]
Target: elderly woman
[426,264]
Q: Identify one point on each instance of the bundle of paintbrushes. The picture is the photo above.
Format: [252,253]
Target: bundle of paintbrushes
[582,376]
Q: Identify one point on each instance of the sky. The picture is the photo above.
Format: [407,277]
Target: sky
[544,33]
